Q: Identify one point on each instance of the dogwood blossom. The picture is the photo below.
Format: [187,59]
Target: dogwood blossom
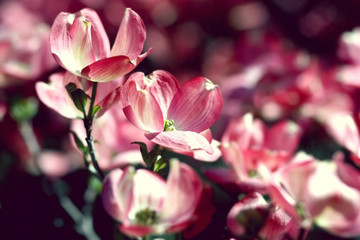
[80,45]
[172,116]
[144,203]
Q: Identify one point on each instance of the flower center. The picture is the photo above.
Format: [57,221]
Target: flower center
[146,217]
[169,125]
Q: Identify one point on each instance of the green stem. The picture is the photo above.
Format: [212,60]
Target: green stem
[92,100]
[83,219]
[27,133]
[88,123]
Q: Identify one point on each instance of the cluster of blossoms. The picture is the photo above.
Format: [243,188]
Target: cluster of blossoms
[133,130]
[170,116]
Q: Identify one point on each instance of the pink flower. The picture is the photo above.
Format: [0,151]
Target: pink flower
[324,192]
[344,128]
[248,145]
[145,204]
[253,216]
[55,96]
[173,117]
[79,44]
[55,164]
[113,134]
[24,45]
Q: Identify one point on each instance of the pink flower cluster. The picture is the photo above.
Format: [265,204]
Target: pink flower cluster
[276,131]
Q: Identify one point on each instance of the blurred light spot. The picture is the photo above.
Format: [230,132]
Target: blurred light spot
[157,39]
[290,6]
[351,37]
[248,16]
[318,20]
[94,3]
[164,13]
[112,10]
[271,111]
[58,222]
[302,60]
[186,38]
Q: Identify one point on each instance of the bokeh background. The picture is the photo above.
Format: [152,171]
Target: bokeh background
[221,40]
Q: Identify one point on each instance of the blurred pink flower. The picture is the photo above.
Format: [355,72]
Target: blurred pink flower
[344,128]
[79,44]
[3,110]
[248,145]
[113,134]
[56,164]
[254,217]
[24,45]
[145,204]
[55,96]
[173,117]
[324,192]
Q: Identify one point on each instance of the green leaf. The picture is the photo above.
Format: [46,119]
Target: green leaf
[164,236]
[78,96]
[24,109]
[78,142]
[96,109]
[160,164]
[144,152]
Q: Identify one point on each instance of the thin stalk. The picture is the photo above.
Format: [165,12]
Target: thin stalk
[27,133]
[83,220]
[88,122]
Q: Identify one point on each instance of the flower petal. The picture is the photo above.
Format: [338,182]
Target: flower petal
[181,140]
[141,108]
[184,189]
[196,106]
[80,34]
[99,38]
[161,84]
[253,201]
[148,193]
[63,31]
[108,69]
[203,155]
[54,96]
[60,42]
[130,37]
[110,196]
[284,136]
[136,231]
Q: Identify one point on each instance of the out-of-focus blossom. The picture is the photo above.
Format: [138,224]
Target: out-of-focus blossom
[3,110]
[144,203]
[79,44]
[344,128]
[24,45]
[252,216]
[56,164]
[348,50]
[349,46]
[248,145]
[113,134]
[172,116]
[55,96]
[248,15]
[324,192]
[203,214]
